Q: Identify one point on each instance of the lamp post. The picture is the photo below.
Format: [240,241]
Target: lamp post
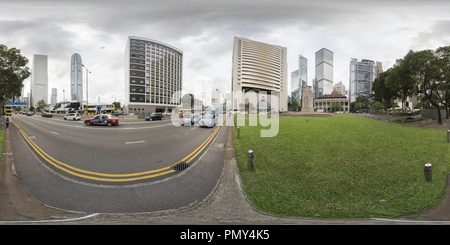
[87,90]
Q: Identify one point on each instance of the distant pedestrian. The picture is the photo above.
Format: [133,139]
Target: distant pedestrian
[7,121]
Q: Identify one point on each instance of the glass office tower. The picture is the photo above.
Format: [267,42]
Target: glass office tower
[323,82]
[76,78]
[362,75]
[298,79]
[39,79]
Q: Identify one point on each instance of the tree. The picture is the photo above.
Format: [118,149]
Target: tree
[116,105]
[381,92]
[13,72]
[428,69]
[336,106]
[400,82]
[41,104]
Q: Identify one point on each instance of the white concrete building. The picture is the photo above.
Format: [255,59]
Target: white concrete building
[260,67]
[153,76]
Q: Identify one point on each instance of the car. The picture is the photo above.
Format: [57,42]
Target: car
[102,119]
[47,114]
[189,119]
[29,113]
[207,120]
[154,116]
[72,116]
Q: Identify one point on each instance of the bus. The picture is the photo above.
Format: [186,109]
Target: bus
[183,111]
[99,109]
[8,110]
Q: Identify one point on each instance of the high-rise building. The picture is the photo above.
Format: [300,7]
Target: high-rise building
[76,78]
[39,79]
[54,96]
[323,82]
[362,75]
[153,76]
[299,80]
[259,67]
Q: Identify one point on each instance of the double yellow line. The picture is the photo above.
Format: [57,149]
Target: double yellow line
[114,177]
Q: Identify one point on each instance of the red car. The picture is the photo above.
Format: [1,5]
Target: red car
[102,119]
[47,114]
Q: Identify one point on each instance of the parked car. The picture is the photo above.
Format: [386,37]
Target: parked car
[154,116]
[207,120]
[47,114]
[72,116]
[29,113]
[189,119]
[102,119]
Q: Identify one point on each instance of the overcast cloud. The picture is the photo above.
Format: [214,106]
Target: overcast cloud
[376,30]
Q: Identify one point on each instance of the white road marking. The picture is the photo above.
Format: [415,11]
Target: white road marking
[55,133]
[135,142]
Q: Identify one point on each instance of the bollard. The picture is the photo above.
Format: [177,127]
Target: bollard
[250,160]
[238,133]
[448,136]
[427,172]
[235,122]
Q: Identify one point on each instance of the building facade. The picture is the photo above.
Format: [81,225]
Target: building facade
[323,82]
[39,79]
[323,103]
[299,80]
[153,76]
[76,78]
[54,96]
[362,75]
[259,67]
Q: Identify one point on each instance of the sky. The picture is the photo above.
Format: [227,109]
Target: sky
[205,29]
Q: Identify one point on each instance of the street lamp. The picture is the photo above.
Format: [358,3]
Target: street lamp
[87,90]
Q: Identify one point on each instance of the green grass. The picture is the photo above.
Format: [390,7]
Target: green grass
[2,139]
[346,162]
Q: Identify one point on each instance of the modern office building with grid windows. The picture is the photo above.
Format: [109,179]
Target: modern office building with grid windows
[153,76]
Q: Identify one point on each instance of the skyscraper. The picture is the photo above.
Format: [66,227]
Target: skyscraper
[39,79]
[362,75]
[323,82]
[299,79]
[259,66]
[153,76]
[76,78]
[54,96]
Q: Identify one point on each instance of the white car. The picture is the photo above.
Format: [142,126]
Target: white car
[72,116]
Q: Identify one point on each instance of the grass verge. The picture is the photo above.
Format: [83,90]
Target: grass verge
[342,167]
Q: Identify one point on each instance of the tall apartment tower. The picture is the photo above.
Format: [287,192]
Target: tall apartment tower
[39,79]
[153,76]
[299,79]
[362,75]
[323,82]
[76,78]
[259,66]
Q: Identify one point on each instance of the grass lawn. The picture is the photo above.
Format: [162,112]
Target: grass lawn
[343,167]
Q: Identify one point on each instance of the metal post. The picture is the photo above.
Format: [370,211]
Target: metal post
[448,136]
[238,132]
[427,172]
[250,160]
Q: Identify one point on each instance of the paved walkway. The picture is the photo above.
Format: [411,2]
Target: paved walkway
[225,205]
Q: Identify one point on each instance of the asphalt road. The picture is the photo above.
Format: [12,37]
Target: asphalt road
[132,147]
